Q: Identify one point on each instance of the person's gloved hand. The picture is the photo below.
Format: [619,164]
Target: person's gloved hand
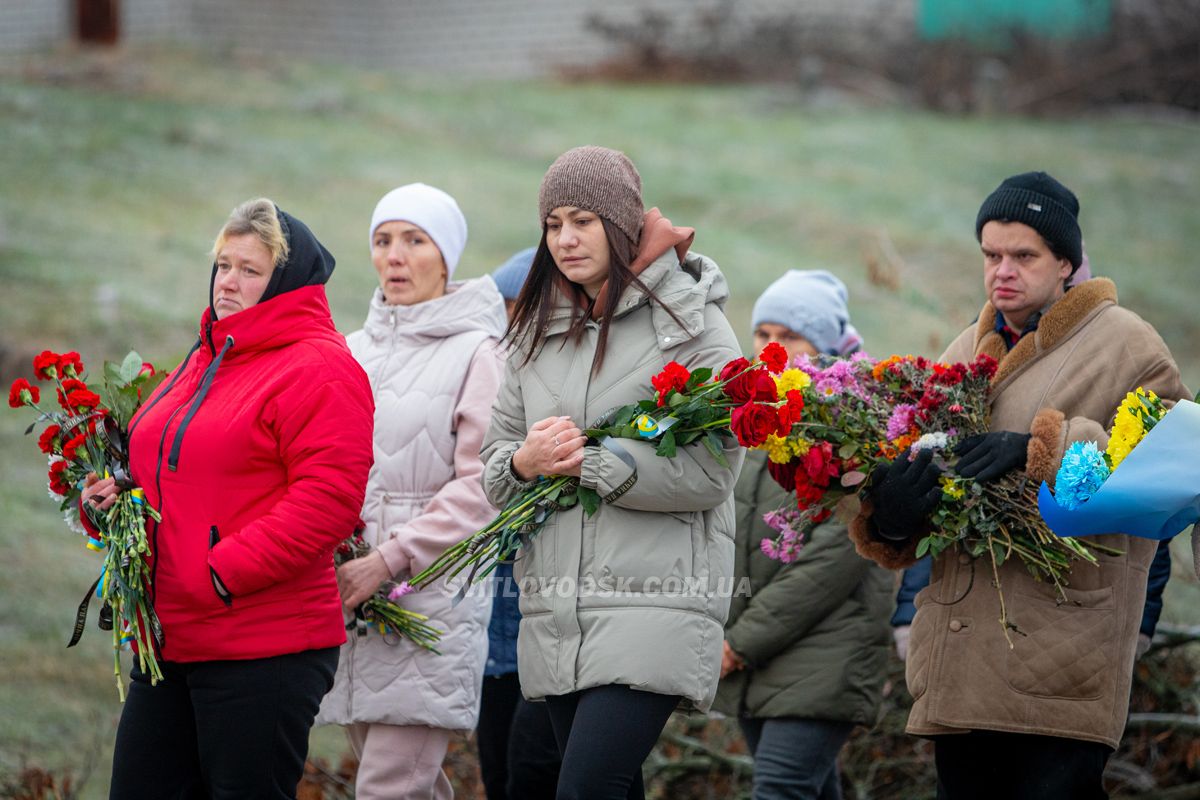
[1142,646]
[986,456]
[904,493]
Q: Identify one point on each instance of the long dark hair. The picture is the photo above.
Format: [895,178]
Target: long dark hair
[527,328]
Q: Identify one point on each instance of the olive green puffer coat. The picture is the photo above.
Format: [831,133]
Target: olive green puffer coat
[814,633]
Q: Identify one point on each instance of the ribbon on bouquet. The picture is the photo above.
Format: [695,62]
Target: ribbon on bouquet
[650,428]
[81,613]
[1153,494]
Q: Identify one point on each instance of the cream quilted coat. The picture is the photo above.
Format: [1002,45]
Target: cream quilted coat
[434,370]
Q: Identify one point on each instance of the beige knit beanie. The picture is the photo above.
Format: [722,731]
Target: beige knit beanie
[599,180]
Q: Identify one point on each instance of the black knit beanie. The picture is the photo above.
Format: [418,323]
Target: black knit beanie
[1039,201]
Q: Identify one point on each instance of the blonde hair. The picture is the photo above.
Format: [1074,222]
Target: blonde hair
[255,217]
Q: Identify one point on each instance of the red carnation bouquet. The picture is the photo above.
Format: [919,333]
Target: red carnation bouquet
[687,407]
[89,433]
[858,414]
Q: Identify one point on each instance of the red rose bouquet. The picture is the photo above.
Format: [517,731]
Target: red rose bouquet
[858,414]
[89,434]
[688,407]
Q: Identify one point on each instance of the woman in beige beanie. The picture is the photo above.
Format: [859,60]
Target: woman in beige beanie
[622,611]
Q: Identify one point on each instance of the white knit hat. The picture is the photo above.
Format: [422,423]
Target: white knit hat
[431,210]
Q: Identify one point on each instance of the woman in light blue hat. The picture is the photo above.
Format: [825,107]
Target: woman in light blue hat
[805,311]
[805,650]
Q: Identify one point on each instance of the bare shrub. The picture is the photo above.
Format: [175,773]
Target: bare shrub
[1150,55]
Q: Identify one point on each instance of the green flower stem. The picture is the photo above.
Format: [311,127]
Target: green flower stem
[475,548]
[116,635]
[717,423]
[1004,624]
[127,583]
[404,622]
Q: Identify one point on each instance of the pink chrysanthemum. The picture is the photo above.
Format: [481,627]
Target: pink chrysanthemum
[901,420]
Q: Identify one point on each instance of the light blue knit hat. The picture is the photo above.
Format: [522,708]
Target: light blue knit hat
[813,304]
[510,276]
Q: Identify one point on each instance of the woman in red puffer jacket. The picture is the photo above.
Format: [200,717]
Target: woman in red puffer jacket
[256,452]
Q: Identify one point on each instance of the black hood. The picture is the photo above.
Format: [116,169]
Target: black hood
[308,262]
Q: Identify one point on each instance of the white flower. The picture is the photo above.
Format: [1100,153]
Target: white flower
[931,441]
[71,517]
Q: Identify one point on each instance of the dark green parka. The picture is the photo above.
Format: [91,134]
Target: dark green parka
[814,633]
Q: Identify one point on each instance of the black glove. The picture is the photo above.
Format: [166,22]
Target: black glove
[986,456]
[904,493]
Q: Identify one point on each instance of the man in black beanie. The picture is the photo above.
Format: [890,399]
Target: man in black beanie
[1039,201]
[1036,718]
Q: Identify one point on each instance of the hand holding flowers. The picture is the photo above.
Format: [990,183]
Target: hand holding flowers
[100,493]
[359,578]
[554,446]
[900,421]
[87,445]
[371,596]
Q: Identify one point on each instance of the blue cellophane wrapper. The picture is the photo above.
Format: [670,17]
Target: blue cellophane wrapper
[1154,493]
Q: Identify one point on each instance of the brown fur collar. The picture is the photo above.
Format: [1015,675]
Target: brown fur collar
[1071,310]
[885,554]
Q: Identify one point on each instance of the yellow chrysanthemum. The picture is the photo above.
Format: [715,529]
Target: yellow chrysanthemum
[1133,406]
[800,446]
[951,489]
[1117,451]
[777,448]
[791,379]
[1128,427]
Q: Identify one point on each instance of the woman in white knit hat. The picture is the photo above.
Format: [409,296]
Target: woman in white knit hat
[430,348]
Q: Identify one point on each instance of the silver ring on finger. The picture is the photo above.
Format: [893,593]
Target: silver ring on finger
[556,443]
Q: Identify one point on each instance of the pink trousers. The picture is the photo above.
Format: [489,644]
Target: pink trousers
[400,762]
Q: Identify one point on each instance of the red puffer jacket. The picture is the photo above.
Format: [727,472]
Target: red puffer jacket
[256,451]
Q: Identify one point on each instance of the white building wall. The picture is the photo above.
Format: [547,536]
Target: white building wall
[477,38]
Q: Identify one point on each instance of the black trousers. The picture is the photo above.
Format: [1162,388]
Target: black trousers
[604,735]
[991,765]
[518,754]
[220,729]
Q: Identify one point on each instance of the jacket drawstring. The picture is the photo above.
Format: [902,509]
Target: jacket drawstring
[166,389]
[205,383]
